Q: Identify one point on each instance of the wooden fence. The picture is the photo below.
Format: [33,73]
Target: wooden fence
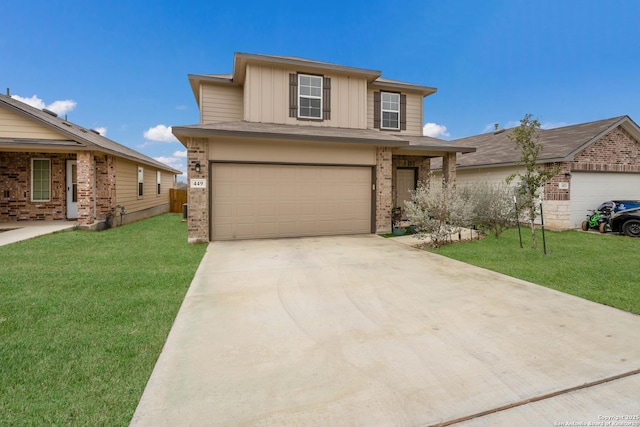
[176,199]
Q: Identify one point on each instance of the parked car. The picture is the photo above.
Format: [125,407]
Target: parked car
[626,217]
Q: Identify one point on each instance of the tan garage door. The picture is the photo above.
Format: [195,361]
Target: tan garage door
[252,201]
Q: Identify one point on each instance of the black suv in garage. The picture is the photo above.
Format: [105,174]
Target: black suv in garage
[626,217]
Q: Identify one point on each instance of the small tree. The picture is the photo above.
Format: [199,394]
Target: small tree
[437,211]
[492,205]
[526,138]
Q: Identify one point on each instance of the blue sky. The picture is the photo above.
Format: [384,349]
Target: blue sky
[122,66]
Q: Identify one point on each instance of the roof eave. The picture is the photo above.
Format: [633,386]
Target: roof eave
[241,59]
[424,90]
[183,131]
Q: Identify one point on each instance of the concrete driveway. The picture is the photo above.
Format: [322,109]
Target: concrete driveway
[366,331]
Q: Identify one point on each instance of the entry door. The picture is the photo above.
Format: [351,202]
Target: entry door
[72,189]
[406,185]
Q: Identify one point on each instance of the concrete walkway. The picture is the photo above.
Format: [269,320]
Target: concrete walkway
[11,232]
[367,331]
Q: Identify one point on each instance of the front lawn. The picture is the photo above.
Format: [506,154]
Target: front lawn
[601,268]
[83,317]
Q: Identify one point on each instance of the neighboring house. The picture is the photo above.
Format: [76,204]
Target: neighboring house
[52,169]
[290,147]
[600,161]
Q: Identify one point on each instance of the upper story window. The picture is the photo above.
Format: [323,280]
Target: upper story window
[390,110]
[310,97]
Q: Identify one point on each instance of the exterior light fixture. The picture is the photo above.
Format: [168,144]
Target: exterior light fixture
[198,167]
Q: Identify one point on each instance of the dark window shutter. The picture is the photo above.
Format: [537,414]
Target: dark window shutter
[326,99]
[403,112]
[376,110]
[293,95]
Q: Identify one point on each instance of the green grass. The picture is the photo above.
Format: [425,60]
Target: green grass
[601,268]
[83,317]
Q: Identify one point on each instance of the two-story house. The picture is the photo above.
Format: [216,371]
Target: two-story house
[290,147]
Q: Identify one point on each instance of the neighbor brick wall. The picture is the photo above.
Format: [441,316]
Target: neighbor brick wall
[384,200]
[15,188]
[86,178]
[198,198]
[105,185]
[617,151]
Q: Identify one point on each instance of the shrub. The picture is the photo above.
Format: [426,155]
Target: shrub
[492,206]
[437,211]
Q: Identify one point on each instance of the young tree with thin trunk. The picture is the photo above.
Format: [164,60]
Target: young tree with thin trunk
[532,181]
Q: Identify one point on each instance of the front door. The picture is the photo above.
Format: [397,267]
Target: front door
[72,189]
[405,186]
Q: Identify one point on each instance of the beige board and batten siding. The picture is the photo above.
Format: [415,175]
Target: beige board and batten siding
[266,98]
[414,111]
[127,186]
[13,125]
[220,103]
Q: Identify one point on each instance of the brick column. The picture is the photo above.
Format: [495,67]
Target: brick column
[424,169]
[198,198]
[86,180]
[449,167]
[384,200]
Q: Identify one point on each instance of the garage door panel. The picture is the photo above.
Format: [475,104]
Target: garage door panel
[263,201]
[589,190]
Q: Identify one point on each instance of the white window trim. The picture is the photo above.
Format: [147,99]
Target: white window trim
[140,181]
[158,183]
[40,200]
[383,110]
[300,116]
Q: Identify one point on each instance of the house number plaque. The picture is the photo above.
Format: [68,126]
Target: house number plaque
[198,183]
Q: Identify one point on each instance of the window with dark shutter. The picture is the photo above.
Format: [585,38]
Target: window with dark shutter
[403,112]
[293,95]
[376,110]
[326,102]
[390,110]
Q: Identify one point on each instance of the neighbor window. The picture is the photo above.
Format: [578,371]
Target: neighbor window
[310,97]
[40,180]
[140,181]
[390,110]
[158,180]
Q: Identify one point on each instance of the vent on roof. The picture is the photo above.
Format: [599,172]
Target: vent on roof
[95,131]
[49,112]
[497,129]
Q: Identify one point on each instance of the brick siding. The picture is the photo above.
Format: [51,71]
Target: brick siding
[384,201]
[198,198]
[15,188]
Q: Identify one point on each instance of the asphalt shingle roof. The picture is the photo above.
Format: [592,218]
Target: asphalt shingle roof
[559,144]
[83,137]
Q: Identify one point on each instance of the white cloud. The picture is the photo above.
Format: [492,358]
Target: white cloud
[101,130]
[58,107]
[62,107]
[34,101]
[174,161]
[160,133]
[434,130]
[180,154]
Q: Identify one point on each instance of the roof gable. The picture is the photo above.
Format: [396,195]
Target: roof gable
[65,130]
[559,144]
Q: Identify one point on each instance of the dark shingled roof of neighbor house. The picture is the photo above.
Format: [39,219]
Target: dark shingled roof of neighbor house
[559,144]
